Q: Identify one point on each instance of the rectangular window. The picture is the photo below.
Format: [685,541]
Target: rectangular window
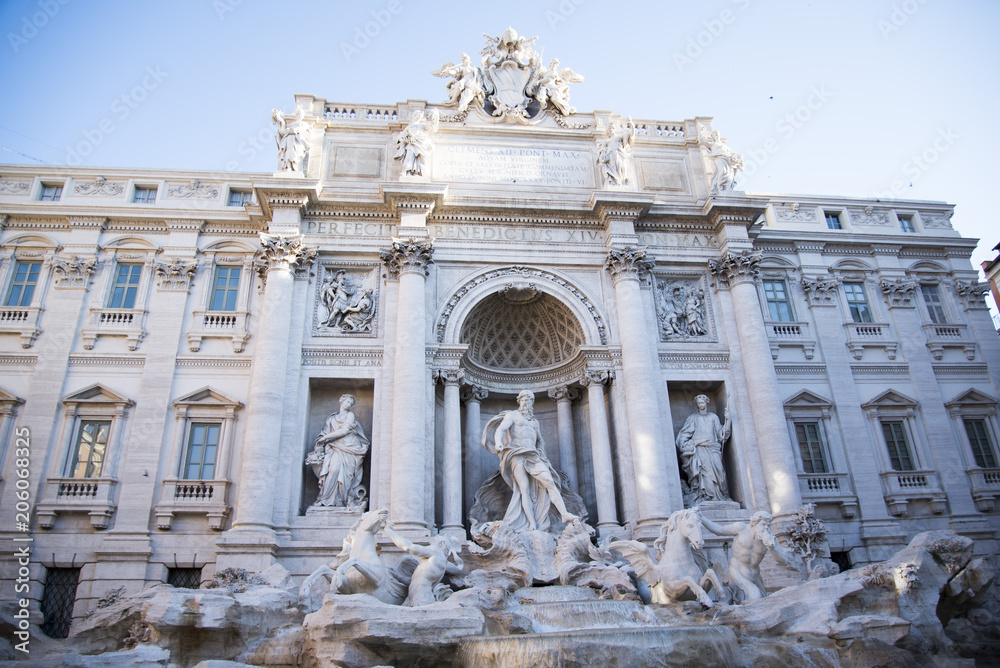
[932,300]
[899,448]
[50,193]
[811,447]
[906,223]
[778,307]
[225,289]
[857,301]
[203,444]
[833,221]
[982,449]
[126,286]
[239,197]
[184,578]
[90,446]
[58,599]
[22,287]
[144,195]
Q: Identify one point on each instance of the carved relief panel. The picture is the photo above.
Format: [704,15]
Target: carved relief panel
[346,300]
[683,307]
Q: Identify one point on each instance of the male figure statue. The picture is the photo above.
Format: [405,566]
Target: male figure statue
[751,543]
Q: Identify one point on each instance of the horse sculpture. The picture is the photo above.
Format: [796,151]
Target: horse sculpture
[672,572]
[358,569]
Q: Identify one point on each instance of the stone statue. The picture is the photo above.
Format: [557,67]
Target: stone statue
[613,153]
[535,485]
[292,140]
[436,560]
[337,457]
[700,443]
[466,85]
[751,543]
[553,87]
[672,573]
[413,144]
[725,161]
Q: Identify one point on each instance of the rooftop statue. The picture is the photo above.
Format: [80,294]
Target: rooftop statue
[292,140]
[413,144]
[613,153]
[725,161]
[466,85]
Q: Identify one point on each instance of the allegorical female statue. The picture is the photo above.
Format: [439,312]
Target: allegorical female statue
[337,458]
[700,444]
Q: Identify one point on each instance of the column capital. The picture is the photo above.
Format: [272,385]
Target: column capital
[628,263]
[175,274]
[564,393]
[74,271]
[407,256]
[735,268]
[278,251]
[899,292]
[972,294]
[474,393]
[449,376]
[597,377]
[821,291]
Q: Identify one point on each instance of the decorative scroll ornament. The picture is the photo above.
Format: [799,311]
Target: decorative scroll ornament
[16,187]
[597,377]
[511,84]
[348,302]
[628,262]
[972,294]
[194,191]
[869,216]
[100,187]
[792,212]
[820,291]
[736,268]
[73,271]
[474,393]
[406,256]
[281,252]
[942,221]
[176,274]
[564,393]
[898,292]
[448,376]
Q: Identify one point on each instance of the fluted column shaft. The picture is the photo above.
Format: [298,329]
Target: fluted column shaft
[739,272]
[640,383]
[451,468]
[564,397]
[600,453]
[408,495]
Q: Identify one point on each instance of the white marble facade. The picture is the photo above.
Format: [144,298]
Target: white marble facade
[239,308]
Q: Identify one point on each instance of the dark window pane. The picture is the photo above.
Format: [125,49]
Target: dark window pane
[58,599]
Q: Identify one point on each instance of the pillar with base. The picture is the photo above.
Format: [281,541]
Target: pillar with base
[451,469]
[600,452]
[564,397]
[473,396]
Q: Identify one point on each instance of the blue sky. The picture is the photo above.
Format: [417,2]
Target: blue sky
[874,98]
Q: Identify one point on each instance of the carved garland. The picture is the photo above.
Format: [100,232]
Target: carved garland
[518,270]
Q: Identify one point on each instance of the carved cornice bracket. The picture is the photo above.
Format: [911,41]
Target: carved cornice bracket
[406,256]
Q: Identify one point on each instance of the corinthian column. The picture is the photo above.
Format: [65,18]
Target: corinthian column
[451,469]
[473,397]
[277,257]
[564,397]
[600,452]
[407,261]
[641,385]
[739,272]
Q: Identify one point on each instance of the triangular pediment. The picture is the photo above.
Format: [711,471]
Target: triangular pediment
[96,394]
[8,398]
[972,397]
[890,399]
[807,399]
[207,396]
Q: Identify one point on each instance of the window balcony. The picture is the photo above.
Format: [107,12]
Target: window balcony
[861,335]
[125,322]
[94,496]
[230,325]
[985,485]
[791,335]
[830,488]
[902,487]
[21,320]
[193,497]
[948,335]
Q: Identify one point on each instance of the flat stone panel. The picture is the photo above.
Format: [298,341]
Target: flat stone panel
[356,161]
[514,165]
[663,175]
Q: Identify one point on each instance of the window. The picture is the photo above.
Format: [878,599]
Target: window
[239,197]
[833,221]
[982,449]
[58,599]
[906,223]
[184,578]
[144,195]
[811,447]
[932,300]
[225,288]
[50,193]
[88,452]
[22,288]
[203,444]
[858,302]
[778,307]
[899,448]
[126,285]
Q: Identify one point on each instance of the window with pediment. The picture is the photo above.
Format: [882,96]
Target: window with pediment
[120,304]
[974,420]
[222,296]
[25,279]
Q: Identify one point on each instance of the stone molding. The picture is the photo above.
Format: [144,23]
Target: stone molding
[407,256]
[736,268]
[193,191]
[101,186]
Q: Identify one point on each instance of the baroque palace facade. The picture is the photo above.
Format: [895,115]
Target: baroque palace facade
[172,343]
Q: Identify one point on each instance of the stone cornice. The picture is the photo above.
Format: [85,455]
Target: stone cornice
[412,197]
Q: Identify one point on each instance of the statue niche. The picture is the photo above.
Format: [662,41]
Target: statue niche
[337,459]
